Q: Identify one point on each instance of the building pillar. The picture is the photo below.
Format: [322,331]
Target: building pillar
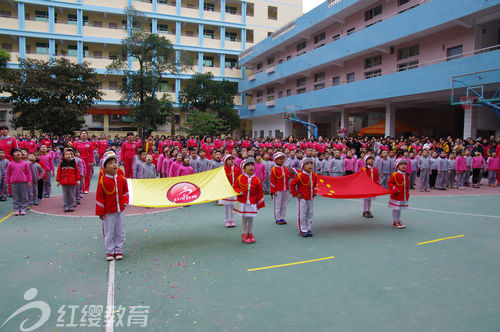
[178,7]
[52,48]
[201,4]
[106,123]
[200,62]
[154,25]
[79,19]
[243,39]
[223,10]
[178,32]
[201,33]
[310,119]
[243,99]
[470,123]
[22,47]
[155,6]
[52,19]
[177,61]
[177,89]
[223,37]
[20,15]
[344,120]
[222,65]
[80,51]
[244,12]
[390,120]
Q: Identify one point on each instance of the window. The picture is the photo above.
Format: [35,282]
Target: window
[98,54]
[319,77]
[177,118]
[335,80]
[124,24]
[301,81]
[454,53]
[288,92]
[402,2]
[113,25]
[231,62]
[208,61]
[209,7]
[259,66]
[288,58]
[72,19]
[319,86]
[163,28]
[250,9]
[97,117]
[113,55]
[270,61]
[231,10]
[277,133]
[163,86]
[272,12]
[408,52]
[163,2]
[374,73]
[231,36]
[319,37]
[262,133]
[336,37]
[373,61]
[301,46]
[209,34]
[189,33]
[97,24]
[350,31]
[270,94]
[369,14]
[280,94]
[408,65]
[3,115]
[5,13]
[72,50]
[7,47]
[113,85]
[301,90]
[259,96]
[41,16]
[42,48]
[350,77]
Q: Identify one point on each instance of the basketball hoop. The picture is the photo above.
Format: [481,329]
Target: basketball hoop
[467,102]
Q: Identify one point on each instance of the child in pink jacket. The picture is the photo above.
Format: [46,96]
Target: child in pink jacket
[260,169]
[477,164]
[461,167]
[185,168]
[18,179]
[492,166]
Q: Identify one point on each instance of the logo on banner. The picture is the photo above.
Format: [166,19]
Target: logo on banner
[183,192]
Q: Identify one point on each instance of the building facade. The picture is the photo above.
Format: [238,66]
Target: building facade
[352,64]
[213,32]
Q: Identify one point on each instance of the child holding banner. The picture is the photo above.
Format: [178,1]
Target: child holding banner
[250,198]
[399,184]
[372,172]
[111,197]
[305,187]
[232,173]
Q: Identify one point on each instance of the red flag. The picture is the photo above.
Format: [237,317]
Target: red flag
[357,185]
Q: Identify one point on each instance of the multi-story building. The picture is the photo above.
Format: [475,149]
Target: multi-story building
[213,32]
[352,64]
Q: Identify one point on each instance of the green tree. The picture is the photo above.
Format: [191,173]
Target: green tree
[212,102]
[4,58]
[50,96]
[155,57]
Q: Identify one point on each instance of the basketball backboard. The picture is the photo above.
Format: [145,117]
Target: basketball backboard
[484,85]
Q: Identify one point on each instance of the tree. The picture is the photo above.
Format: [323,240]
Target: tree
[155,56]
[212,102]
[4,58]
[50,96]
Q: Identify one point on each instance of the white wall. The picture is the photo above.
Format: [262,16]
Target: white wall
[267,123]
[487,119]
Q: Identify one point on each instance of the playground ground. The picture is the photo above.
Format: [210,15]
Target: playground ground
[183,271]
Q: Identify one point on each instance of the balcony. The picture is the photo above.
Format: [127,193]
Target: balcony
[98,62]
[111,94]
[270,103]
[211,43]
[270,70]
[190,12]
[252,77]
[214,70]
[36,56]
[252,107]
[237,100]
[209,15]
[36,26]
[169,95]
[167,9]
[10,23]
[190,41]
[143,6]
[14,57]
[104,32]
[232,45]
[233,18]
[66,29]
[232,72]
[114,4]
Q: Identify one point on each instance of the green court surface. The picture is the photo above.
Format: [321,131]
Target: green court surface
[193,273]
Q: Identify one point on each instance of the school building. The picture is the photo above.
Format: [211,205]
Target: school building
[377,67]
[213,32]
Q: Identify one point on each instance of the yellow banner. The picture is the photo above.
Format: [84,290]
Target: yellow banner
[182,190]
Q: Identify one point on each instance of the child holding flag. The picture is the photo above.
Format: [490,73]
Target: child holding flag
[250,198]
[232,173]
[305,187]
[111,197]
[372,172]
[399,184]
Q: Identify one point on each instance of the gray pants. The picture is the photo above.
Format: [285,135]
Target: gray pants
[47,185]
[266,185]
[467,175]
[69,196]
[246,225]
[305,214]
[4,193]
[451,178]
[441,179]
[384,178]
[113,229]
[461,179]
[492,177]
[79,189]
[413,179]
[424,179]
[280,202]
[20,196]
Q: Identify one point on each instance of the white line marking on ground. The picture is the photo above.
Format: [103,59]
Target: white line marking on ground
[110,305]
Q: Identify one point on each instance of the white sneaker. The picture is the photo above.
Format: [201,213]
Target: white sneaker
[400,225]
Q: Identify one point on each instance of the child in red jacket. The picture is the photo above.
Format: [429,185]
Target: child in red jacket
[111,197]
[305,187]
[372,172]
[250,198]
[68,175]
[280,179]
[399,184]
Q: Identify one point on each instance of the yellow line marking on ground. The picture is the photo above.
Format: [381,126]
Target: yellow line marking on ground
[289,264]
[7,217]
[444,238]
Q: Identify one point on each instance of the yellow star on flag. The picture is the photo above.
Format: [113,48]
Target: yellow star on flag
[321,180]
[328,186]
[333,192]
